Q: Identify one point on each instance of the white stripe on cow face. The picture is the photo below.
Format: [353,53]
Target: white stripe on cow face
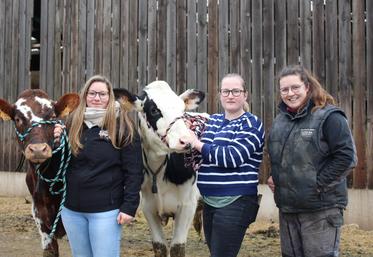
[43,102]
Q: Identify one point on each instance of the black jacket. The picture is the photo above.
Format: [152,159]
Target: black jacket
[103,178]
[311,155]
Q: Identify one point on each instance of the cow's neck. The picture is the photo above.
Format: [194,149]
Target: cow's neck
[153,158]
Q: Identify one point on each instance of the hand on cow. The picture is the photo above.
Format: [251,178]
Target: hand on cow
[193,140]
[58,129]
[270,184]
[124,218]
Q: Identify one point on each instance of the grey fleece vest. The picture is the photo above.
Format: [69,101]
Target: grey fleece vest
[298,151]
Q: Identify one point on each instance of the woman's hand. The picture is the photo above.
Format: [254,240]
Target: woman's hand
[193,141]
[270,184]
[58,129]
[124,218]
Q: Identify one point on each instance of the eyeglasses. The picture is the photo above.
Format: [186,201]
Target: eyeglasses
[294,88]
[102,94]
[235,92]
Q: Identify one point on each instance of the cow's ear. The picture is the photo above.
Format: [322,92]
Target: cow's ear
[6,110]
[126,98]
[66,104]
[192,98]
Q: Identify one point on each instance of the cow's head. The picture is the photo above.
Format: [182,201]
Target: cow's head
[32,108]
[161,114]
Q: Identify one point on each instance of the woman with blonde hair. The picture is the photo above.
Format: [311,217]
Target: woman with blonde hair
[105,173]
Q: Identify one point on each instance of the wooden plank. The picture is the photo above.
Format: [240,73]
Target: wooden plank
[202,60]
[82,42]
[245,44]
[292,32]
[14,51]
[57,89]
[132,45]
[268,78]
[344,58]
[90,39]
[223,38]
[74,44]
[345,63]
[331,51]
[234,46]
[359,84]
[99,36]
[305,33]
[318,49]
[43,44]
[115,44]
[280,35]
[181,44]
[66,35]
[124,38]
[50,47]
[192,45]
[7,79]
[369,54]
[143,8]
[28,30]
[161,39]
[106,41]
[171,44]
[2,79]
[257,57]
[213,57]
[22,52]
[152,40]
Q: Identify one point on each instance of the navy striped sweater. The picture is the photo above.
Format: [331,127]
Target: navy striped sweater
[231,155]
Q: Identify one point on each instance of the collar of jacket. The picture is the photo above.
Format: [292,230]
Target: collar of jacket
[301,113]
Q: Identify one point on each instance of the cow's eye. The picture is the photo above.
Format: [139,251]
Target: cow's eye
[154,111]
[17,120]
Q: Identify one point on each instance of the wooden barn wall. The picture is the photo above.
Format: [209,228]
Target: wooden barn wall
[192,44]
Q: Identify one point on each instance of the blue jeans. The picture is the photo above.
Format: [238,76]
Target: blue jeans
[225,227]
[92,234]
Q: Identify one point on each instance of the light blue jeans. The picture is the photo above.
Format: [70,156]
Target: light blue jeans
[92,234]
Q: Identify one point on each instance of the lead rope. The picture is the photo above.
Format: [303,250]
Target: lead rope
[61,174]
[193,158]
[154,174]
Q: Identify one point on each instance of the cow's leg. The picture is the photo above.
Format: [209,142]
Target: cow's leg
[156,230]
[49,245]
[52,249]
[183,221]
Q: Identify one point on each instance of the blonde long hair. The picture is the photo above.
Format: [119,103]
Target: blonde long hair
[119,137]
[246,106]
[316,92]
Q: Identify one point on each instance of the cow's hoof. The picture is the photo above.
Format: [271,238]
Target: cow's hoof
[177,250]
[49,253]
[160,250]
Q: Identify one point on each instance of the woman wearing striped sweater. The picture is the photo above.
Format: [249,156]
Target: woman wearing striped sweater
[232,148]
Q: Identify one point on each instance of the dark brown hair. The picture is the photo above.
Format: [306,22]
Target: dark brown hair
[316,92]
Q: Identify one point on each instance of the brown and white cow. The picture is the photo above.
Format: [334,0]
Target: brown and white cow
[35,137]
[169,188]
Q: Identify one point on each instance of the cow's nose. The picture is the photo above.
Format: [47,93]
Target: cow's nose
[38,152]
[185,144]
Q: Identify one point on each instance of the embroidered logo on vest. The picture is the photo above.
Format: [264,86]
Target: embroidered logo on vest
[307,133]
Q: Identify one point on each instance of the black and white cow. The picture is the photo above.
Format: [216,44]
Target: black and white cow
[34,114]
[169,188]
